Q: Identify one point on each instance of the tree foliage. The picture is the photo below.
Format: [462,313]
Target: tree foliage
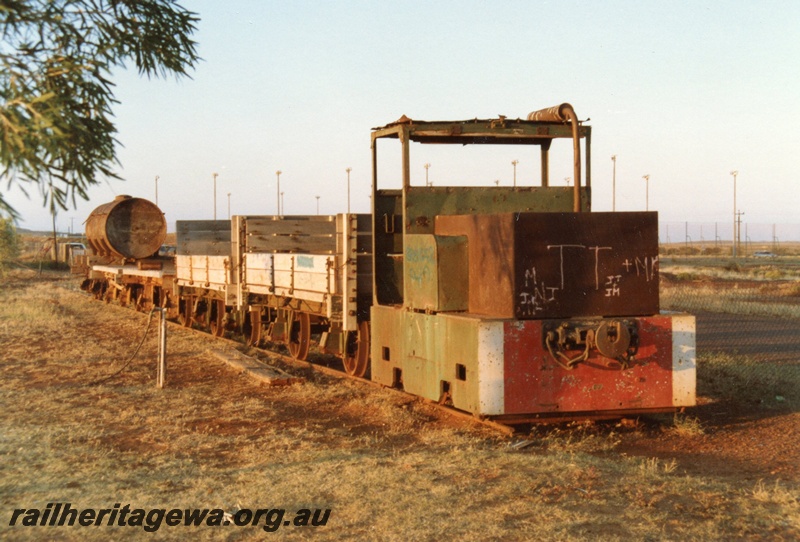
[9,243]
[56,93]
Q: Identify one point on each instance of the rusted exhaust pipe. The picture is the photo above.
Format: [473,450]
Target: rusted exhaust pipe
[565,113]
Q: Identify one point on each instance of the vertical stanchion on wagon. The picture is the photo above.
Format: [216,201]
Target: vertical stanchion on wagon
[162,347]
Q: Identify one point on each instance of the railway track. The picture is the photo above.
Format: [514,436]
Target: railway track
[319,364]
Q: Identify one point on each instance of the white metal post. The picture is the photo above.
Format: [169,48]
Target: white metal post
[162,347]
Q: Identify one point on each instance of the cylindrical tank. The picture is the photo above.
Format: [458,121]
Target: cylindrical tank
[127,227]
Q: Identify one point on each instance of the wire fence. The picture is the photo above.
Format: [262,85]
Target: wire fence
[748,335]
[717,238]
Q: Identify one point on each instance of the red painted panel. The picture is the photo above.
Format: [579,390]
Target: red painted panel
[534,383]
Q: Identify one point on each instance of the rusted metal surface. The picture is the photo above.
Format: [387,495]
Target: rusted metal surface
[559,265]
[424,203]
[572,265]
[565,113]
[496,367]
[660,376]
[357,351]
[413,209]
[127,228]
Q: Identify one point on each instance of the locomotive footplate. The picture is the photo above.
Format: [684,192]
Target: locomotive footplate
[493,367]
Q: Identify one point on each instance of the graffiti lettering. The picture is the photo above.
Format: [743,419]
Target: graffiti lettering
[612,285]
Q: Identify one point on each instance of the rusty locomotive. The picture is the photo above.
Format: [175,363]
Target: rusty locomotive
[513,303]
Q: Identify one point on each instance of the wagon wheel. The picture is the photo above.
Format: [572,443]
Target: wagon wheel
[255,328]
[217,317]
[159,298]
[110,294]
[137,297]
[356,356]
[186,313]
[98,289]
[168,301]
[201,315]
[299,335]
[147,298]
[124,297]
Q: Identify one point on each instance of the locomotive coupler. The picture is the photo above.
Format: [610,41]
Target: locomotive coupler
[613,339]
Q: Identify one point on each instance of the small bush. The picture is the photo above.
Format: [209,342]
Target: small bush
[733,266]
[9,243]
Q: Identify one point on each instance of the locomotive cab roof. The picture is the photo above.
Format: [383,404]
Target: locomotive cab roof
[540,128]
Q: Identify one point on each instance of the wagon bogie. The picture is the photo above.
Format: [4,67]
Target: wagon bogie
[284,280]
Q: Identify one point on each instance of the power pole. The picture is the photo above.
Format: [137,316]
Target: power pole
[55,235]
[733,240]
[348,170]
[514,163]
[739,231]
[614,184]
[278,194]
[215,194]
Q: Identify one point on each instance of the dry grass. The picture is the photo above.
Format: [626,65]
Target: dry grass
[733,300]
[684,425]
[387,466]
[723,375]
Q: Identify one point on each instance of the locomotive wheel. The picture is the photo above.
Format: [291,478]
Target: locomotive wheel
[255,328]
[217,317]
[299,335]
[356,358]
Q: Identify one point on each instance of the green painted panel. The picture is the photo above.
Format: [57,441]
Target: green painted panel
[386,344]
[435,273]
[429,350]
[424,203]
[421,372]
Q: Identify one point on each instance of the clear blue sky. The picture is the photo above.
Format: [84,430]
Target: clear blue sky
[682,91]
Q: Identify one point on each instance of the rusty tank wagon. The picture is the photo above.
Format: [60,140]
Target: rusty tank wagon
[513,303]
[124,238]
[126,228]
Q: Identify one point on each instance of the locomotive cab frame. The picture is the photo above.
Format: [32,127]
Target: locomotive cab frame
[412,209]
[518,303]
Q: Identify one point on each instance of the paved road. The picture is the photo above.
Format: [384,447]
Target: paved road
[763,339]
